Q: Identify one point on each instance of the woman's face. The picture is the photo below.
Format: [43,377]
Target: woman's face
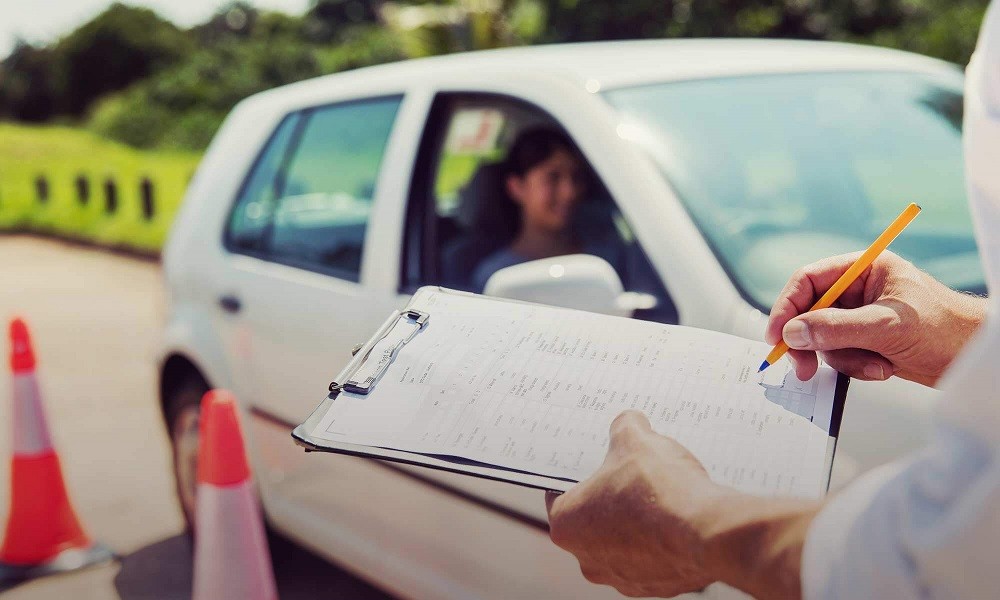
[548,192]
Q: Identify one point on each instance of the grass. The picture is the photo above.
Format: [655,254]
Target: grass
[60,155]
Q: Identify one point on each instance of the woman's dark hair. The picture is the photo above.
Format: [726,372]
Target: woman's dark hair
[534,146]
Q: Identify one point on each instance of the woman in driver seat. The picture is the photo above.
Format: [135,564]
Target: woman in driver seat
[544,176]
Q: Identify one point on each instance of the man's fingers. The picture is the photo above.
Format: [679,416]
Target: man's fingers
[805,287]
[629,423]
[626,432]
[806,363]
[828,329]
[860,364]
[550,499]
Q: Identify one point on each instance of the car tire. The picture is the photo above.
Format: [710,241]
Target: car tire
[182,408]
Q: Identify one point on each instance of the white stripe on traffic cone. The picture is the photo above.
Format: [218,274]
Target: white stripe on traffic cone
[31,430]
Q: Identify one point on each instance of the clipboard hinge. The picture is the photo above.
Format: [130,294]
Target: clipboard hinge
[418,317]
[336,387]
[384,359]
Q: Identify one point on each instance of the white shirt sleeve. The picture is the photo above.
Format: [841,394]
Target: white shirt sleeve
[981,139]
[926,528]
[929,527]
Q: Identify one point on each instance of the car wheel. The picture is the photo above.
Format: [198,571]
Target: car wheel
[183,410]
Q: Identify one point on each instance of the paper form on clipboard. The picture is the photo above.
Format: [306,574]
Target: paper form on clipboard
[530,389]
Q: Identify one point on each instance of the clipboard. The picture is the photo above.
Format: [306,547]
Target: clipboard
[373,358]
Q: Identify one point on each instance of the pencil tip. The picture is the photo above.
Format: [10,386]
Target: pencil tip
[763,366]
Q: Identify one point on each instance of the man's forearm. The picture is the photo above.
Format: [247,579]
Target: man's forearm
[968,314]
[755,544]
[951,324]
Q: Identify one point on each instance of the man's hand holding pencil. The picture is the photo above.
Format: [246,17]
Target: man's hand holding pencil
[894,319]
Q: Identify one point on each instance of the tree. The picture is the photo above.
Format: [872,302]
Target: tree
[27,92]
[327,20]
[579,21]
[120,46]
[235,19]
[943,28]
[138,78]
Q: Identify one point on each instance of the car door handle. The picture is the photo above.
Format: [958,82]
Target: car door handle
[230,304]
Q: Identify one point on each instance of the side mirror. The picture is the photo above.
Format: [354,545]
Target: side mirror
[580,281]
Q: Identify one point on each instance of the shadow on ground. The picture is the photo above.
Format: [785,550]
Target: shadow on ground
[159,570]
[162,571]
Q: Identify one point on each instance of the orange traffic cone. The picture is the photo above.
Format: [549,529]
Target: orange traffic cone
[231,559]
[43,534]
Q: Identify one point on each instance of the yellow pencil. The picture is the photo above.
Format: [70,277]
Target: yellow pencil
[864,261]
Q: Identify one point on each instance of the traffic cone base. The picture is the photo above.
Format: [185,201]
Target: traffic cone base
[41,523]
[72,559]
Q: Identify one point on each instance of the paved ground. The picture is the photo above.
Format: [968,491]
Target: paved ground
[95,318]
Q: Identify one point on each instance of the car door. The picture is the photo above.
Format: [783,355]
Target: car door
[298,236]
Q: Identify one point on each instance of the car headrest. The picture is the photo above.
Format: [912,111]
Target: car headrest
[483,206]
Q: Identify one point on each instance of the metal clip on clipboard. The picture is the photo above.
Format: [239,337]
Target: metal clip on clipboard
[377,360]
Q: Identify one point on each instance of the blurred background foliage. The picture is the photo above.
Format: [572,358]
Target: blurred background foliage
[130,96]
[134,77]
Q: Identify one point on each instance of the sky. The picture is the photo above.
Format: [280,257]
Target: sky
[42,21]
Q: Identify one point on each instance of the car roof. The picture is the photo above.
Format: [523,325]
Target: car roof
[607,65]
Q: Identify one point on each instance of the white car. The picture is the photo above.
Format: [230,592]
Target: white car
[720,166]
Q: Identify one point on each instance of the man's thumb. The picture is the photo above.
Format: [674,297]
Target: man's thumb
[838,328]
[626,430]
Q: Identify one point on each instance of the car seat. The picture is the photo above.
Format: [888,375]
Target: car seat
[487,220]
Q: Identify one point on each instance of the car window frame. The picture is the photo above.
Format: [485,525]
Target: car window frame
[227,238]
[304,115]
[420,217]
[419,224]
[419,202]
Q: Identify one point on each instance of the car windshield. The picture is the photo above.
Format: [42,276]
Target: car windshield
[781,170]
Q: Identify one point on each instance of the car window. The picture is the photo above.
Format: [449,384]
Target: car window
[255,204]
[326,191]
[467,220]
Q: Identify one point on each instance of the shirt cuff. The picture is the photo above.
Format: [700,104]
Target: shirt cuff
[827,539]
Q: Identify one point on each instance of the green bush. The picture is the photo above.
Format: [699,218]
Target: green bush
[132,119]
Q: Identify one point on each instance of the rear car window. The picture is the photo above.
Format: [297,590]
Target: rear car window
[312,210]
[255,204]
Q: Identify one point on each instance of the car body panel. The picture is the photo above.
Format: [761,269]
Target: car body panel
[607,65]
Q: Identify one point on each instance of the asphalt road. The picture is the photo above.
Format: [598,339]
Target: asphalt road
[95,319]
